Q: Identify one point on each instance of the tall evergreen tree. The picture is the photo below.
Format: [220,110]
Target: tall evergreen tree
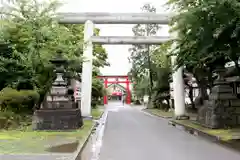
[141,54]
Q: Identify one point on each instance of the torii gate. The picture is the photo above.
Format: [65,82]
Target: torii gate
[116,81]
[120,18]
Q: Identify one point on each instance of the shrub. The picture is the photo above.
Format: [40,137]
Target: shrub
[9,119]
[94,103]
[18,101]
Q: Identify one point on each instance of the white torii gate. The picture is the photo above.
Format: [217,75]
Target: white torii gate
[119,18]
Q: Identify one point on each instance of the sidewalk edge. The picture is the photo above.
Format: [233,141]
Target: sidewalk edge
[196,132]
[165,117]
[188,129]
[83,145]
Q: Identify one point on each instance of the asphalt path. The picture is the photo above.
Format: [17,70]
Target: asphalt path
[133,135]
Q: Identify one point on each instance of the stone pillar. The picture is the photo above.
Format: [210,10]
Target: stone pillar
[105,97]
[128,100]
[87,70]
[76,85]
[178,88]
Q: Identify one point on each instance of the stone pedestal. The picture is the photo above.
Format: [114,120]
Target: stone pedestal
[223,108]
[57,119]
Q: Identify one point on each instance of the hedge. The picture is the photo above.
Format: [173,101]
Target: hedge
[18,101]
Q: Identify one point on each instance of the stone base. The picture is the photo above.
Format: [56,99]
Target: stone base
[87,117]
[208,118]
[222,110]
[150,104]
[57,119]
[183,117]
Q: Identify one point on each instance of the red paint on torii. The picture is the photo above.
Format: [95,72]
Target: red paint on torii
[126,81]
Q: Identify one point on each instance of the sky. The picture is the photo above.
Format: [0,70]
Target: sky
[117,54]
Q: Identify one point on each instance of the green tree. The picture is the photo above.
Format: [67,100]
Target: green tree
[208,33]
[11,68]
[34,37]
[161,89]
[141,54]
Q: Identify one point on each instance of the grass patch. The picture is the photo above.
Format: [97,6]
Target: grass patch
[97,112]
[28,141]
[223,134]
[160,113]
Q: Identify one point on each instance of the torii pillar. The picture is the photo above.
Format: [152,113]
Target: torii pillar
[119,18]
[105,98]
[128,100]
[87,70]
[178,86]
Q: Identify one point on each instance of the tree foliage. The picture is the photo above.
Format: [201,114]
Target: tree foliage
[141,55]
[161,89]
[150,65]
[30,36]
[208,37]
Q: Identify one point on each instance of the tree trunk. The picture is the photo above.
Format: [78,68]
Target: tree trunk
[150,73]
[203,95]
[237,67]
[168,103]
[191,96]
[210,80]
[203,90]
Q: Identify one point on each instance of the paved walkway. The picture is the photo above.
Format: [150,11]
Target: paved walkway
[133,135]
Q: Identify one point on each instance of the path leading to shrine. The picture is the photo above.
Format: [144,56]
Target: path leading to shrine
[132,135]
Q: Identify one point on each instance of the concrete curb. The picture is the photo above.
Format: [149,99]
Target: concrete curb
[99,116]
[188,129]
[165,117]
[232,143]
[83,145]
[195,131]
[98,139]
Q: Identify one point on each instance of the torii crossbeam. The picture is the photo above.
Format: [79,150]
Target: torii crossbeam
[118,18]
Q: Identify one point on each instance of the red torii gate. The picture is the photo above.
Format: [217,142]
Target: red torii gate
[116,81]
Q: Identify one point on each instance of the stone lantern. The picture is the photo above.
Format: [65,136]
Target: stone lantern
[222,109]
[59,112]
